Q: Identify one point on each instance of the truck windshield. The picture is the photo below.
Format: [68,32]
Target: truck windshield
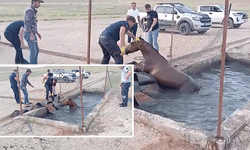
[63,71]
[184,9]
[221,7]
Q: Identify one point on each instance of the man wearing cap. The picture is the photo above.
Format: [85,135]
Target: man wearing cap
[111,35]
[30,29]
[24,82]
[13,85]
[14,34]
[125,84]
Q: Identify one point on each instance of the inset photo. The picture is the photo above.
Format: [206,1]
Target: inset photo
[66,101]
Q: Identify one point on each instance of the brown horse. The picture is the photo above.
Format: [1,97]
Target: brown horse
[157,66]
[69,102]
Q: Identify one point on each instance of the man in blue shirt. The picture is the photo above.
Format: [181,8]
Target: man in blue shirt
[153,31]
[125,84]
[24,82]
[14,34]
[111,35]
[13,85]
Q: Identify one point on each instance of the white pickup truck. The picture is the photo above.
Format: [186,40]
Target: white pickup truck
[216,13]
[186,20]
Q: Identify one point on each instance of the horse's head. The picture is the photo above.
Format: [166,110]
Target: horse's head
[135,45]
[66,102]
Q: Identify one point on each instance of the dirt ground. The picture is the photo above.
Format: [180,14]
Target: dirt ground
[70,37]
[145,139]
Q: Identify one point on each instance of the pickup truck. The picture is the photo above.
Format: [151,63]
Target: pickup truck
[61,74]
[186,20]
[216,13]
[85,74]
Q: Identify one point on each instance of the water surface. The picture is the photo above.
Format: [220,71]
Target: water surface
[201,109]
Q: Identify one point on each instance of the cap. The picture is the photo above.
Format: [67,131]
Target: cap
[28,70]
[41,1]
[48,70]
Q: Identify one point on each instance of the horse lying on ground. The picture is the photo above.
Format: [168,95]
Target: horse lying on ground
[69,102]
[157,66]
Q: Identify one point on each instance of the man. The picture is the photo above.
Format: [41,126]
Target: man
[30,29]
[48,86]
[125,84]
[153,31]
[109,37]
[24,82]
[13,85]
[54,87]
[14,34]
[135,13]
[47,76]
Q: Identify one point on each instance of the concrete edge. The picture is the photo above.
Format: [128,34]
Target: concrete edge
[233,125]
[170,127]
[92,115]
[57,124]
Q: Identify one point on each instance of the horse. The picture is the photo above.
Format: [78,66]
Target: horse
[69,102]
[156,65]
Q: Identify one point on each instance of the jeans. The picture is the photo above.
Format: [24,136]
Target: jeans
[15,41]
[110,48]
[125,89]
[25,93]
[48,89]
[16,93]
[134,30]
[153,39]
[33,48]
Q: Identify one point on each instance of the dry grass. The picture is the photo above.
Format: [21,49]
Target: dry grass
[59,10]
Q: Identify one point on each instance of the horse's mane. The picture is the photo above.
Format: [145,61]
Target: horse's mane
[155,50]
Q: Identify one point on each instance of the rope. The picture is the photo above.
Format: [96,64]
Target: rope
[58,54]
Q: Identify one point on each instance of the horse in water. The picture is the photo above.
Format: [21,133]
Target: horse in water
[157,66]
[69,102]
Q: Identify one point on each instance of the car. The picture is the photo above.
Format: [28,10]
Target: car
[186,20]
[85,74]
[216,13]
[61,74]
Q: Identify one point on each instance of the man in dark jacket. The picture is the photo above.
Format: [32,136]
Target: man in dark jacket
[14,34]
[49,86]
[13,85]
[111,35]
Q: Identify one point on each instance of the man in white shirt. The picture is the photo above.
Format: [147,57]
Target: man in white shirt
[135,13]
[125,84]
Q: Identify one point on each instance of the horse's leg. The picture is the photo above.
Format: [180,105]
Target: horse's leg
[137,66]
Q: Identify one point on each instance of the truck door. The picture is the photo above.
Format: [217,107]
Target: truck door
[164,15]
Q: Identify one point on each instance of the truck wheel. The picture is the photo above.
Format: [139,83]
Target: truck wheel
[201,32]
[184,28]
[237,25]
[65,79]
[230,23]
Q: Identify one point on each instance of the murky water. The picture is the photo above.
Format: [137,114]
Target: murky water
[90,100]
[201,109]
